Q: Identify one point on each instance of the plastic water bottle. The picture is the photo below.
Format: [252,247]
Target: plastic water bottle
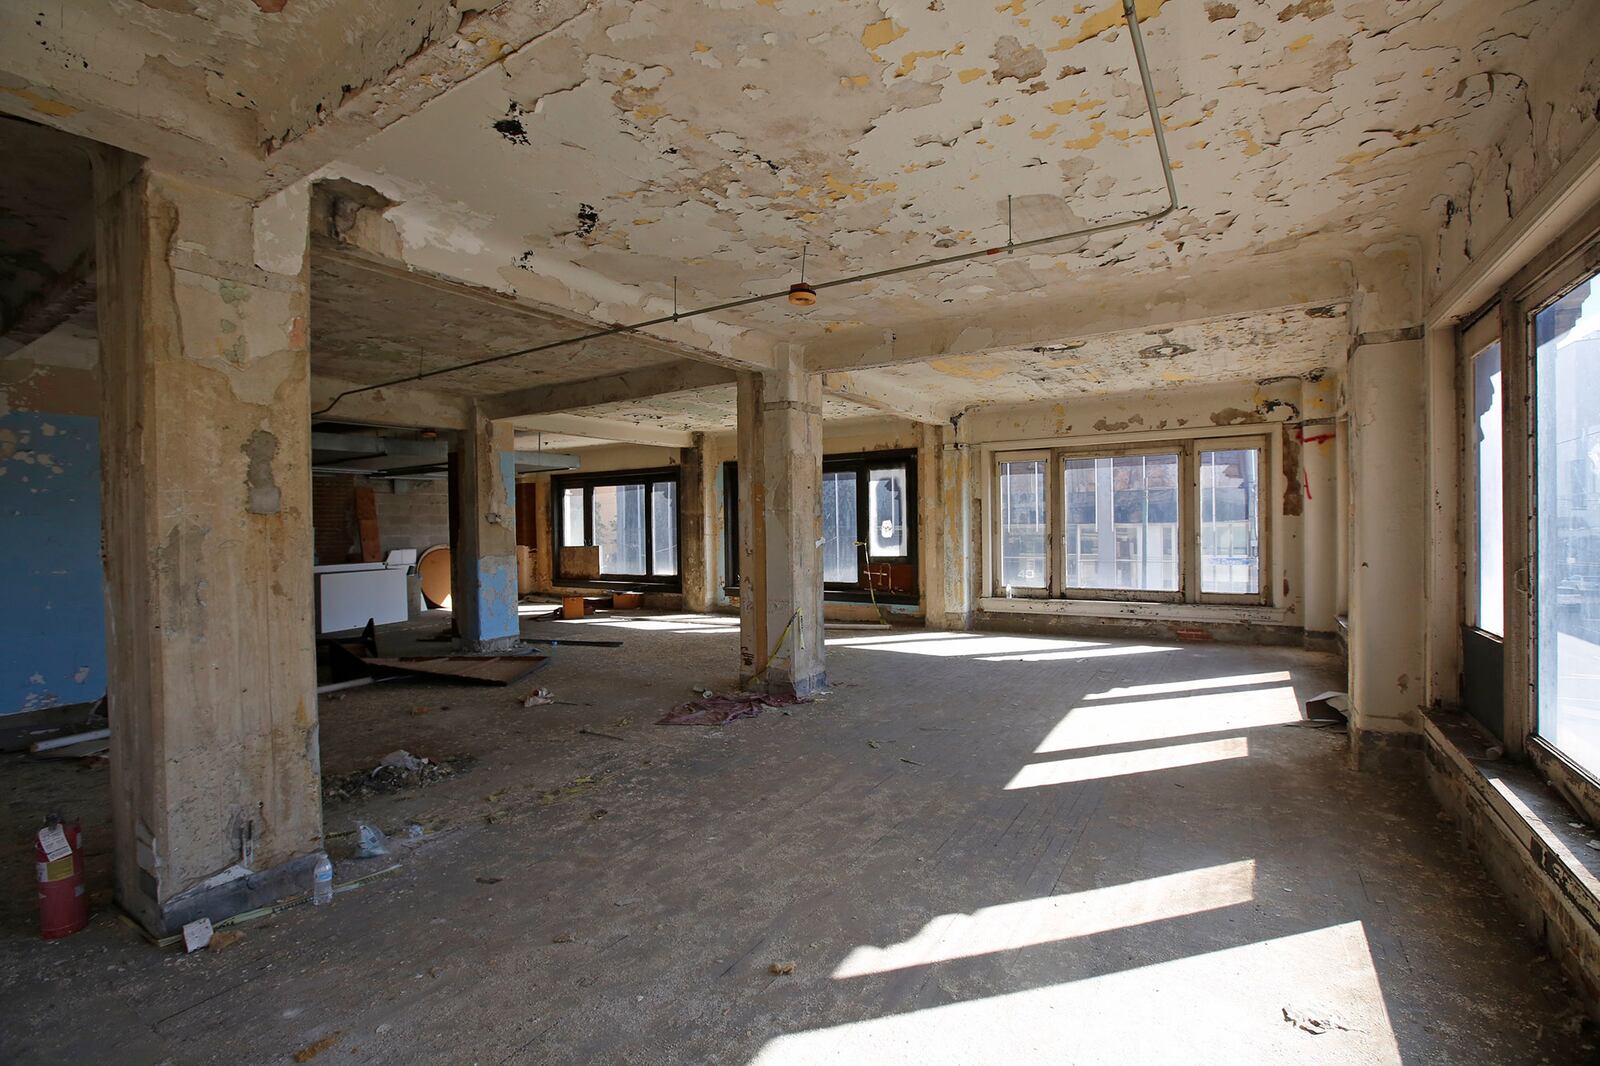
[322,881]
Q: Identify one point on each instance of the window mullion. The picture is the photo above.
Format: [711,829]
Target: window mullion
[1054,527]
[1189,525]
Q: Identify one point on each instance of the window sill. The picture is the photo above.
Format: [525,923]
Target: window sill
[1526,834]
[1177,612]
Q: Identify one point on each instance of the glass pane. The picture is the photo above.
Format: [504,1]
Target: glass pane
[619,528]
[664,527]
[1486,421]
[1022,519]
[1230,521]
[1122,523]
[1568,475]
[839,526]
[572,517]
[886,511]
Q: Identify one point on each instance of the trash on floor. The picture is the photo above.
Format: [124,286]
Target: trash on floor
[1328,707]
[197,934]
[715,710]
[311,1051]
[781,969]
[397,771]
[539,696]
[370,841]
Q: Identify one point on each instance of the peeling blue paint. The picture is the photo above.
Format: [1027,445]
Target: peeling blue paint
[497,599]
[52,635]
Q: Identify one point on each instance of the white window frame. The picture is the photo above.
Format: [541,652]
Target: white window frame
[1188,450]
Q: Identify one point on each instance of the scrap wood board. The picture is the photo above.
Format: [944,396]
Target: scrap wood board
[483,669]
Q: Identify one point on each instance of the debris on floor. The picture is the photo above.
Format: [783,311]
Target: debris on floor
[539,696]
[311,1051]
[715,710]
[781,969]
[370,842]
[397,771]
[1314,1021]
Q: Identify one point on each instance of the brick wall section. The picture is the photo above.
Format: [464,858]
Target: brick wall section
[417,516]
[333,518]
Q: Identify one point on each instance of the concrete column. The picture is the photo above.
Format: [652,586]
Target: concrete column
[1320,517]
[1387,574]
[483,588]
[697,510]
[780,529]
[203,311]
[930,522]
[958,520]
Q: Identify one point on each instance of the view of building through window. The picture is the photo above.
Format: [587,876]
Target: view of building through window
[664,528]
[1022,525]
[1230,521]
[1122,523]
[1567,364]
[886,516]
[631,517]
[619,528]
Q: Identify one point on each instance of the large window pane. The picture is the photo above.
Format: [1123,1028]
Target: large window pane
[1122,523]
[1568,475]
[839,526]
[619,528]
[886,512]
[1022,524]
[1486,421]
[664,527]
[572,533]
[1230,521]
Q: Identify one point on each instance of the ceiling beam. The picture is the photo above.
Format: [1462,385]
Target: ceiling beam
[641,384]
[619,430]
[870,390]
[406,406]
[1144,303]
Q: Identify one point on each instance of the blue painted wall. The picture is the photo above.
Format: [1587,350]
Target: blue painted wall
[52,630]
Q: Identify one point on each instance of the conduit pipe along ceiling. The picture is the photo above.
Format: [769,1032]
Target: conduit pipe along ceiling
[1152,108]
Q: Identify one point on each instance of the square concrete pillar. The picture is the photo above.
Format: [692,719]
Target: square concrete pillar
[951,522]
[483,590]
[697,529]
[1387,572]
[780,530]
[203,311]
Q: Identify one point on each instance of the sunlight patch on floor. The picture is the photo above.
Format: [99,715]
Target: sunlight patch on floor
[1124,763]
[1191,685]
[1024,923]
[1097,724]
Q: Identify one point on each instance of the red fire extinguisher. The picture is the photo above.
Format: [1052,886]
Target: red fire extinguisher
[58,854]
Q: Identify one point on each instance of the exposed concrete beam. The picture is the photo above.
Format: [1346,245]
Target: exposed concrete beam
[407,406]
[868,390]
[643,383]
[601,429]
[1142,303]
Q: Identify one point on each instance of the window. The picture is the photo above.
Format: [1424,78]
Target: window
[839,528]
[1023,563]
[1567,474]
[631,517]
[1230,521]
[1123,530]
[869,527]
[1489,511]
[1122,522]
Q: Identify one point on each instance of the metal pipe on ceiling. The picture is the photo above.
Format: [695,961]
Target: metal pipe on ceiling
[1132,21]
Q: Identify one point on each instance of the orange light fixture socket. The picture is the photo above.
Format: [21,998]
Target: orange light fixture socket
[802,295]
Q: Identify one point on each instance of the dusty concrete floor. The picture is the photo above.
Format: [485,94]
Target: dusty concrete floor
[1168,873]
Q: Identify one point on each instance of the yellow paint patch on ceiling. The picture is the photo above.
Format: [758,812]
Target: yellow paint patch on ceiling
[1248,139]
[1012,6]
[880,33]
[971,74]
[42,104]
[1005,120]
[1105,19]
[1046,133]
[908,62]
[1299,42]
[1067,107]
[1082,144]
[967,369]
[858,81]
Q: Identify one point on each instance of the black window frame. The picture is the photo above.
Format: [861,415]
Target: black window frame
[588,483]
[861,463]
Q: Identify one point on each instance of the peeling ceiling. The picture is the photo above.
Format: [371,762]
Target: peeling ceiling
[704,410]
[642,141]
[371,324]
[1302,342]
